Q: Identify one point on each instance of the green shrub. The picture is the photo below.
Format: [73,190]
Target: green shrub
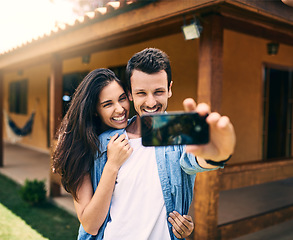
[33,192]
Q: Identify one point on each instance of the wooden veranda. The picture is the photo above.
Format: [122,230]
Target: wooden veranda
[273,21]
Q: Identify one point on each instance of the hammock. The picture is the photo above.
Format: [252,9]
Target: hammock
[14,132]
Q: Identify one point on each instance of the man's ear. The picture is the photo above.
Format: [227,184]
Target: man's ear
[130,96]
[170,91]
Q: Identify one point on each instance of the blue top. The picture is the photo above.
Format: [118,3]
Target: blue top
[177,170]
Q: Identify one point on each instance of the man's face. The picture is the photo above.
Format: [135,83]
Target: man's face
[150,92]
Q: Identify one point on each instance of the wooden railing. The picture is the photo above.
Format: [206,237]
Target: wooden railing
[249,174]
[208,186]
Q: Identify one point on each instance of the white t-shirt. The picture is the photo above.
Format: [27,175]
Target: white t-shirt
[138,209]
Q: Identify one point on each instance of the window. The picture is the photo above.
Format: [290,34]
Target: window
[278,96]
[119,72]
[18,96]
[70,83]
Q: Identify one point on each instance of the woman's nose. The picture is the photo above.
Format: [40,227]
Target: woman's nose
[119,108]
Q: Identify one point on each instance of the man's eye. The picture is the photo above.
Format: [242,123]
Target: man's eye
[140,93]
[159,92]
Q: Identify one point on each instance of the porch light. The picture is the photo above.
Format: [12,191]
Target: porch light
[66,98]
[193,30]
[20,72]
[86,59]
[273,48]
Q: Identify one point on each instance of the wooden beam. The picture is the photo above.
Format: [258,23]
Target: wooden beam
[206,202]
[211,62]
[209,91]
[56,89]
[270,31]
[206,199]
[1,119]
[270,10]
[255,223]
[250,174]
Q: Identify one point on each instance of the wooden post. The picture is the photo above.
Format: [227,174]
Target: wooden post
[56,89]
[206,199]
[206,206]
[1,119]
[211,62]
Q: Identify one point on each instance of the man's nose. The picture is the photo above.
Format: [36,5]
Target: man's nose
[151,101]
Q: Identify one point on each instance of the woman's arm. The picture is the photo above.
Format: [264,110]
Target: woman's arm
[92,208]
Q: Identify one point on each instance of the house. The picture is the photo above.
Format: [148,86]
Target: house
[242,65]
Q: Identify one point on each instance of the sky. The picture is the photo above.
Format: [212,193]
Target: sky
[23,20]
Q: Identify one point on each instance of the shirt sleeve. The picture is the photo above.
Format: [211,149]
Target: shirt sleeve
[190,165]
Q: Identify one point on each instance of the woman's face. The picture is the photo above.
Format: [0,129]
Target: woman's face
[113,106]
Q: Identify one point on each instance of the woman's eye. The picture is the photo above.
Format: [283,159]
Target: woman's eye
[107,105]
[122,99]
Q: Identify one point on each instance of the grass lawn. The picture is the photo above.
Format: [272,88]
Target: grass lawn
[19,220]
[14,228]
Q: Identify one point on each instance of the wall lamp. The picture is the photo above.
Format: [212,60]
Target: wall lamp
[86,59]
[193,30]
[20,72]
[273,48]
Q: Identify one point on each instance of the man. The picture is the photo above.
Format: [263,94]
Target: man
[149,83]
[154,187]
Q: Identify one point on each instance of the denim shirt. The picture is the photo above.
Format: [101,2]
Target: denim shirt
[176,168]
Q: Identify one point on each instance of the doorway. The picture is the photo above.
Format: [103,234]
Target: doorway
[277,134]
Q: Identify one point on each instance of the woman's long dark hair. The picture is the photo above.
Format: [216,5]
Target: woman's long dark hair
[78,141]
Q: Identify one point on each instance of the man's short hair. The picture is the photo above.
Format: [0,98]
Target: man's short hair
[149,60]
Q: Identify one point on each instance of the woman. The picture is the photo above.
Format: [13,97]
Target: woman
[99,103]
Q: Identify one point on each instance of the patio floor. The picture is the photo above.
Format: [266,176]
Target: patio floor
[21,163]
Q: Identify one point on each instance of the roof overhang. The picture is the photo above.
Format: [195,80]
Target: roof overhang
[267,19]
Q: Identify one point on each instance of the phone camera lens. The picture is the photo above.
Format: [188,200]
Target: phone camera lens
[197,128]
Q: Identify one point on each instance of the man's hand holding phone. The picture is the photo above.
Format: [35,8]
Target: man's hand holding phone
[222,135]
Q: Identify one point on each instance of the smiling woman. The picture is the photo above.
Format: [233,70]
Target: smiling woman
[13,227]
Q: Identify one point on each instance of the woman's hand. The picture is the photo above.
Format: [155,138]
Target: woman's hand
[118,150]
[182,225]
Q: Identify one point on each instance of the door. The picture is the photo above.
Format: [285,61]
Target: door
[277,113]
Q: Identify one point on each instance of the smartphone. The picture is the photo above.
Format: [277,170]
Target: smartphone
[174,129]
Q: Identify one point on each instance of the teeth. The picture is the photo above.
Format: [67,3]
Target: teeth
[150,111]
[119,118]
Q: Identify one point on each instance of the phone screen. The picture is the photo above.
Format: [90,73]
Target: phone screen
[174,129]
